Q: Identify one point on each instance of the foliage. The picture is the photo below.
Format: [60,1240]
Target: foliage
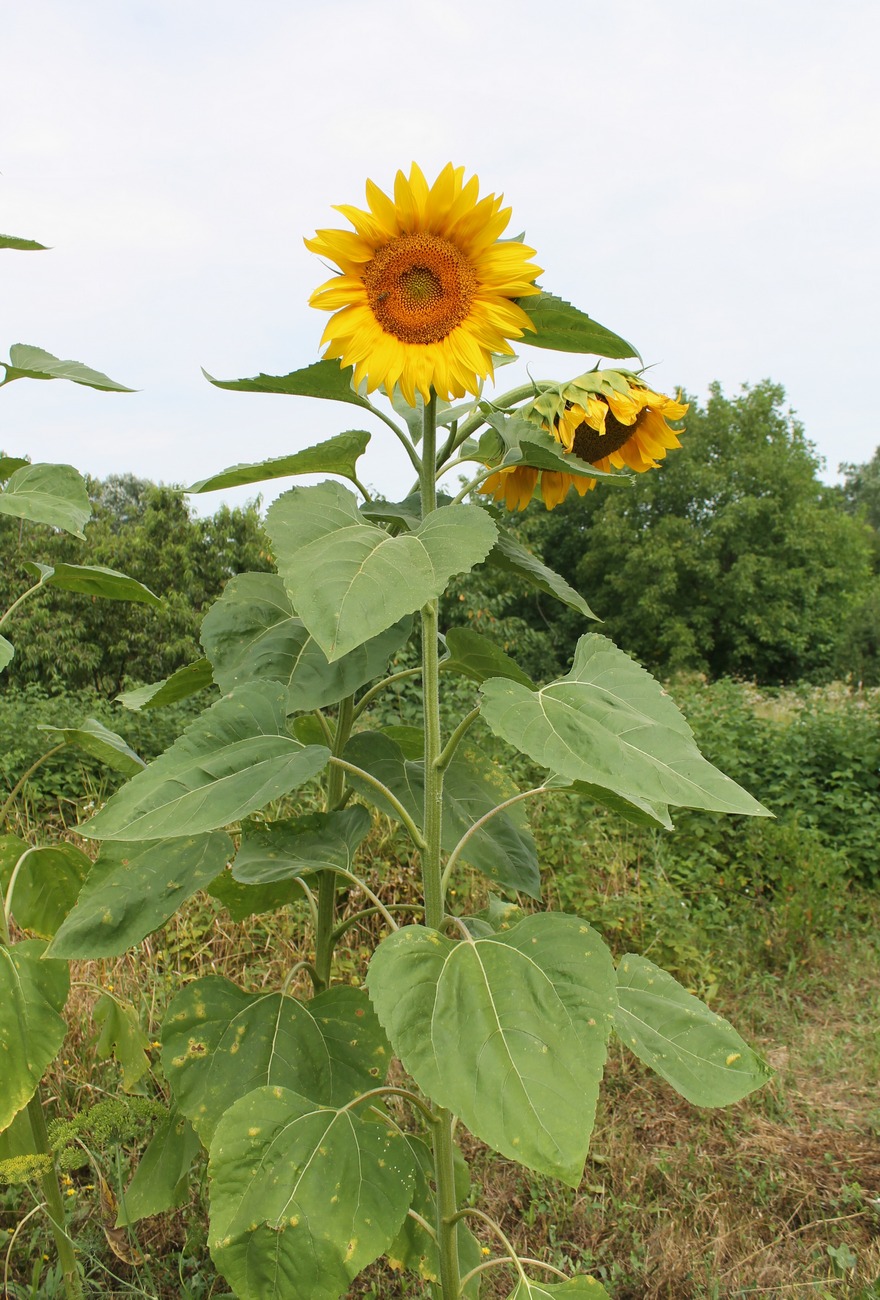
[739,516]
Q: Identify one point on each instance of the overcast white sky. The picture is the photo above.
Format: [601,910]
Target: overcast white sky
[699,175]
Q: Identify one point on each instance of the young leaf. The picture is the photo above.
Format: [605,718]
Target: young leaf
[253,631]
[331,1194]
[121,1036]
[350,580]
[563,328]
[27,362]
[133,889]
[32,995]
[93,580]
[478,658]
[473,785]
[338,455]
[692,1048]
[219,1043]
[609,723]
[48,494]
[24,245]
[234,759]
[510,556]
[161,1180]
[507,1031]
[96,739]
[324,379]
[272,851]
[46,887]
[181,685]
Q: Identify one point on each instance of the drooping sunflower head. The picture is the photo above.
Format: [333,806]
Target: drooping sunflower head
[607,419]
[427,287]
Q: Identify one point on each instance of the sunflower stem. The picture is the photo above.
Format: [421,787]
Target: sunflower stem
[327,892]
[432,872]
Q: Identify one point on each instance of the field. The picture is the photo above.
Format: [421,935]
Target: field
[775,923]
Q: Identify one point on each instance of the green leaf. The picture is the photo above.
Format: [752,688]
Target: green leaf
[638,812]
[507,1031]
[242,901]
[350,580]
[253,631]
[578,1288]
[234,759]
[11,849]
[161,1180]
[32,996]
[324,379]
[93,580]
[48,494]
[414,1248]
[181,685]
[338,455]
[608,722]
[24,245]
[510,556]
[27,362]
[273,851]
[7,652]
[96,739]
[9,464]
[121,1036]
[693,1049]
[473,785]
[331,1193]
[133,889]
[46,886]
[219,1043]
[514,440]
[563,328]
[477,657]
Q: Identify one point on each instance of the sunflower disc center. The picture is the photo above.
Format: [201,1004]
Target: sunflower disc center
[419,288]
[592,446]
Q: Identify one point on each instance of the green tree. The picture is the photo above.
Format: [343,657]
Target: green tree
[732,558]
[70,641]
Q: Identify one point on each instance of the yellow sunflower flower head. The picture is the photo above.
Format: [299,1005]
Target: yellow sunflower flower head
[427,287]
[612,425]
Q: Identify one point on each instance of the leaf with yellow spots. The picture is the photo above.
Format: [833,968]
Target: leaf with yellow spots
[303,1197]
[692,1048]
[33,992]
[508,1031]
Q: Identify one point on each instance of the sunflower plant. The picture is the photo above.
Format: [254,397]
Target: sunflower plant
[325,1155]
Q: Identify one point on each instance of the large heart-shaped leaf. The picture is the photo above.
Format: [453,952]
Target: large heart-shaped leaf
[348,579]
[338,455]
[609,723]
[93,580]
[33,992]
[46,886]
[187,681]
[510,556]
[325,379]
[48,494]
[232,760]
[563,328]
[692,1048]
[219,1043]
[28,362]
[302,1197]
[473,785]
[99,741]
[133,889]
[279,850]
[252,631]
[507,1031]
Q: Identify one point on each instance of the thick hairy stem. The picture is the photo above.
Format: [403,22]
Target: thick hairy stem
[324,940]
[54,1202]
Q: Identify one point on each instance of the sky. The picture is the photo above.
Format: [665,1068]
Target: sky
[701,176]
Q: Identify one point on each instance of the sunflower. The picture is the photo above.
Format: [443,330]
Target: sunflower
[427,286]
[609,429]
